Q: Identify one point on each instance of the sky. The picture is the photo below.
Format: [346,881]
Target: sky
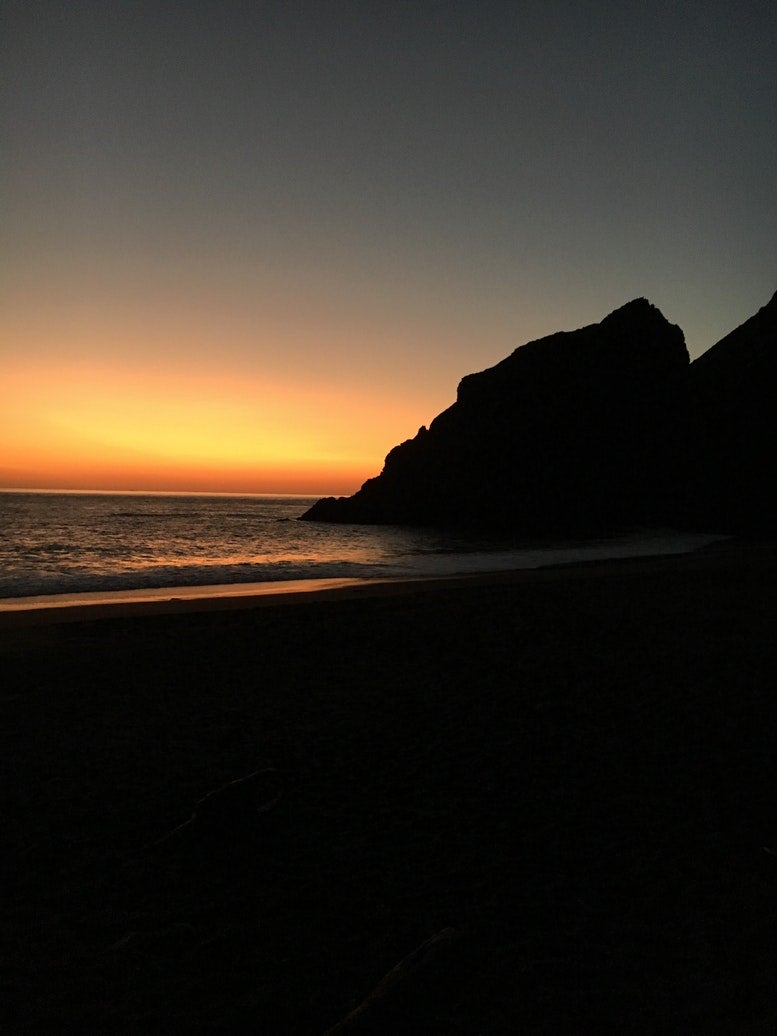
[251,246]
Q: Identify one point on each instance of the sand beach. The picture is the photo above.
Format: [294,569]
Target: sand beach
[539,802]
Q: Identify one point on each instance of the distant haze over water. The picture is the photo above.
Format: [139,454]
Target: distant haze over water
[64,543]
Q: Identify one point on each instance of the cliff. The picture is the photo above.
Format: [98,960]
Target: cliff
[593,430]
[581,431]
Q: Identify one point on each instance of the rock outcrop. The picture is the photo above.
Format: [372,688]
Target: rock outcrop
[590,431]
[574,432]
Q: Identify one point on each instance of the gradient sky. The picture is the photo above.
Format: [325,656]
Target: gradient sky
[250,246]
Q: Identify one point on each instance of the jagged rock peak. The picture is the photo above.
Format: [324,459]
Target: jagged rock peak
[635,337]
[640,311]
[636,306]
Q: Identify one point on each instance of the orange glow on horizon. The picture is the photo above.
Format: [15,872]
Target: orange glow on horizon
[147,378]
[111,426]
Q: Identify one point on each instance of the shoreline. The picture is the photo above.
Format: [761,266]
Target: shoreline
[97,605]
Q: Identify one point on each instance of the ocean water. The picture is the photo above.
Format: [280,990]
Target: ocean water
[67,543]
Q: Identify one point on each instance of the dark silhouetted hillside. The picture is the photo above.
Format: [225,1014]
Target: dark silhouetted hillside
[734,388]
[590,431]
[581,430]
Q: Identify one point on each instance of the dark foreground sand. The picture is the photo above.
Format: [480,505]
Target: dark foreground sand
[567,776]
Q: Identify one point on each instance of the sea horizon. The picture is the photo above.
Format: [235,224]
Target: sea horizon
[155,492]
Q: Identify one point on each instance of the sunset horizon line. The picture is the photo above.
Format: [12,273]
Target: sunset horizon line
[74,491]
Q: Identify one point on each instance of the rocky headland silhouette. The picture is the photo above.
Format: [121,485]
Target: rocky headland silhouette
[591,431]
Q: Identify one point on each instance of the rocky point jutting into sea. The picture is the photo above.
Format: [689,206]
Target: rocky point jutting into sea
[593,430]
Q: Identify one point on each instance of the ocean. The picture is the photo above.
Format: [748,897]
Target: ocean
[55,543]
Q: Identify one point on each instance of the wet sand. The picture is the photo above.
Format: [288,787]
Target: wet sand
[568,772]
